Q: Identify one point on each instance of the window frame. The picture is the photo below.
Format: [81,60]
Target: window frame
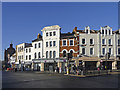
[63,41]
[69,42]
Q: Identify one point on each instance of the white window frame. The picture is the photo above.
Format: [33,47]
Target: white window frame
[85,40]
[93,51]
[104,42]
[69,42]
[93,41]
[85,51]
[108,41]
[64,40]
[102,51]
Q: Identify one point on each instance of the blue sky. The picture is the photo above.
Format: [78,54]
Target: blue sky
[21,22]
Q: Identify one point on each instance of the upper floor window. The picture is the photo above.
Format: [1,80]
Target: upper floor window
[109,41]
[109,32]
[35,56]
[26,57]
[86,30]
[110,51]
[39,45]
[47,34]
[50,43]
[71,53]
[64,42]
[91,51]
[29,49]
[118,50]
[54,33]
[50,54]
[35,45]
[26,50]
[46,54]
[118,41]
[54,43]
[71,43]
[50,33]
[64,53]
[54,54]
[103,41]
[22,56]
[83,51]
[39,55]
[102,31]
[106,32]
[103,51]
[46,44]
[91,41]
[29,57]
[83,41]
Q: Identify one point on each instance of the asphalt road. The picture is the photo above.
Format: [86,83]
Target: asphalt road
[37,80]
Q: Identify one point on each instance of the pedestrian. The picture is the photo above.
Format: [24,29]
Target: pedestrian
[65,69]
[60,70]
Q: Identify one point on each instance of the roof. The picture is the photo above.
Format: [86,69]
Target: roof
[67,35]
[28,45]
[91,31]
[36,40]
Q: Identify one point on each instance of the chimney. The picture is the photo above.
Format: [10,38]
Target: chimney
[38,36]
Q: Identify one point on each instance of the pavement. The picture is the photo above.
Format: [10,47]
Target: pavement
[54,80]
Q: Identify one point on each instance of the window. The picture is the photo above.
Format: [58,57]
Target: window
[118,50]
[35,45]
[54,54]
[22,56]
[50,33]
[26,51]
[103,41]
[54,43]
[46,54]
[35,56]
[83,41]
[39,55]
[54,33]
[83,51]
[109,41]
[29,49]
[64,53]
[91,41]
[29,57]
[71,42]
[50,43]
[106,32]
[103,51]
[91,51]
[26,57]
[71,53]
[86,30]
[39,45]
[109,32]
[64,43]
[118,41]
[46,34]
[50,54]
[46,44]
[102,31]
[110,51]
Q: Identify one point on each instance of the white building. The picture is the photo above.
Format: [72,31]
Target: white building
[37,52]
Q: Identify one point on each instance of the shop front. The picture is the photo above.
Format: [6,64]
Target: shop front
[90,65]
[118,65]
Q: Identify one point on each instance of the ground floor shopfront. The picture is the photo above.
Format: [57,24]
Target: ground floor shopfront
[48,64]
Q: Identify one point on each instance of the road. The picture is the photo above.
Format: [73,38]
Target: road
[43,80]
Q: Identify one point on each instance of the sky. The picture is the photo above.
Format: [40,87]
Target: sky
[22,21]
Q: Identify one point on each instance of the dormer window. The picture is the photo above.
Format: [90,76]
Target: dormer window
[86,30]
[102,31]
[109,32]
[106,32]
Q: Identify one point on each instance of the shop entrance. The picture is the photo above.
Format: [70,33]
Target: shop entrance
[118,64]
[90,65]
[109,65]
[49,66]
